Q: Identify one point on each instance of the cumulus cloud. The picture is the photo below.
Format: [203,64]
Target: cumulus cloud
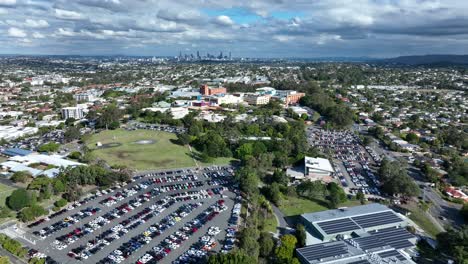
[16,32]
[38,35]
[280,27]
[67,14]
[41,23]
[179,15]
[224,20]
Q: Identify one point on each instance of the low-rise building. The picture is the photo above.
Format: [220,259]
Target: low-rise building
[75,112]
[206,90]
[318,169]
[12,132]
[256,99]
[365,234]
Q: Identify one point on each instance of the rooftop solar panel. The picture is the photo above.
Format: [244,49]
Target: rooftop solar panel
[401,244]
[364,261]
[322,251]
[390,254]
[366,243]
[338,226]
[377,219]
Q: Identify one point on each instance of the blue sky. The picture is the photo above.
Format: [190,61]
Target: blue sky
[247,28]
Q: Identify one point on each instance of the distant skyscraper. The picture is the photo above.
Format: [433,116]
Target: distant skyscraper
[230,55]
[198,54]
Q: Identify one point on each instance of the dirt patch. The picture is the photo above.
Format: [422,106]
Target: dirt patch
[145,142]
[110,145]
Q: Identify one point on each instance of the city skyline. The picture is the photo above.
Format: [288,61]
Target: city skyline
[246,28]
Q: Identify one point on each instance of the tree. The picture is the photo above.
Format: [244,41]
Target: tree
[248,181]
[286,250]
[248,241]
[280,177]
[454,243]
[273,193]
[75,155]
[336,194]
[109,118]
[395,179]
[72,133]
[58,186]
[20,176]
[49,147]
[183,139]
[301,235]
[412,138]
[20,198]
[236,257]
[464,211]
[30,213]
[361,197]
[266,244]
[244,151]
[4,260]
[61,203]
[312,189]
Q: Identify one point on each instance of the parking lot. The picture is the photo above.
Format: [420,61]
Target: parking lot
[173,216]
[353,163]
[166,128]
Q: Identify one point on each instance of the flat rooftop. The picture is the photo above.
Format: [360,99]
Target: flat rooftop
[345,212]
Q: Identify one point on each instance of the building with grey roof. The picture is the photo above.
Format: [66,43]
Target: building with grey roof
[344,222]
[371,233]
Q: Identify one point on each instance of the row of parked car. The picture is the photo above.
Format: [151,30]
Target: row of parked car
[66,222]
[200,249]
[155,230]
[100,221]
[170,129]
[362,176]
[119,230]
[376,157]
[76,204]
[173,241]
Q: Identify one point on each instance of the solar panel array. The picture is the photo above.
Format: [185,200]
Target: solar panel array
[364,261]
[322,251]
[384,218]
[392,254]
[359,222]
[338,226]
[370,242]
[394,237]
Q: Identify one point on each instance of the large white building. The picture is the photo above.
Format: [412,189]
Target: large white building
[72,112]
[317,168]
[12,132]
[226,99]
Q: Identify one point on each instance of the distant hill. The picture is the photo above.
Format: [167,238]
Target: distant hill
[429,59]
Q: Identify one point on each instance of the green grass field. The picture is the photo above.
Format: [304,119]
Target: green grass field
[422,220]
[296,206]
[5,191]
[120,147]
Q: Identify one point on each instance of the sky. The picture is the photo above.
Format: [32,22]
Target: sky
[247,28]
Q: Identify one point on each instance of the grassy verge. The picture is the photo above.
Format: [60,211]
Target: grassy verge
[291,206]
[421,219]
[5,191]
[270,224]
